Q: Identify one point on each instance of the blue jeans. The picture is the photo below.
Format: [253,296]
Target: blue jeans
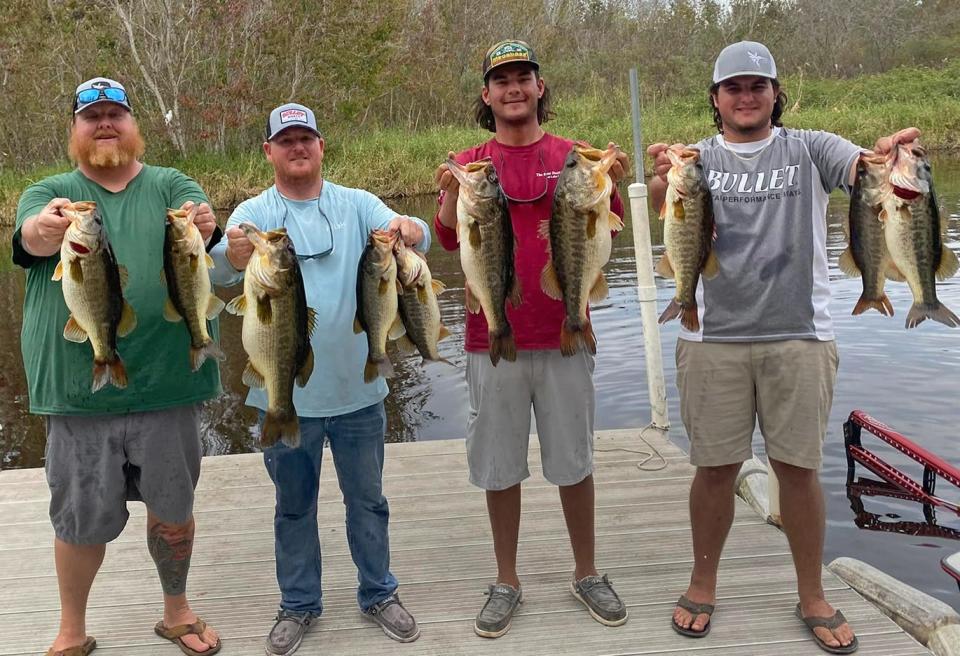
[356,441]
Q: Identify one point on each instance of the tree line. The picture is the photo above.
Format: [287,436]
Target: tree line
[203,73]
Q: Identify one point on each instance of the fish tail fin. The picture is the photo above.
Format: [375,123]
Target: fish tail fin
[111,371]
[280,426]
[881,305]
[939,312]
[200,355]
[502,345]
[571,336]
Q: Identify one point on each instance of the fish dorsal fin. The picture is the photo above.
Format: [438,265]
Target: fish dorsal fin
[665,267]
[543,229]
[948,263]
[128,320]
[214,307]
[848,265]
[311,321]
[599,291]
[711,267]
[438,287]
[58,271]
[209,260]
[124,276]
[252,377]
[237,305]
[264,310]
[549,282]
[306,370]
[72,332]
[170,312]
[397,329]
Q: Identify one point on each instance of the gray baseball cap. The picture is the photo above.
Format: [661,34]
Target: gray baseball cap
[291,115]
[98,90]
[744,58]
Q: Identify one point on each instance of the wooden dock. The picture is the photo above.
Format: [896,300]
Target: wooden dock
[443,557]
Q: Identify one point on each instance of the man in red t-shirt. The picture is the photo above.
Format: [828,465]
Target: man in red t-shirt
[513,104]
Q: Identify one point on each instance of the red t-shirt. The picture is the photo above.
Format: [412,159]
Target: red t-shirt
[524,172]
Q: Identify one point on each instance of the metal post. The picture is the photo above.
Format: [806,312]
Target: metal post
[646,288]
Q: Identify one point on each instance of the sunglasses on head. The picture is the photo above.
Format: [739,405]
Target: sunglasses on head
[88,96]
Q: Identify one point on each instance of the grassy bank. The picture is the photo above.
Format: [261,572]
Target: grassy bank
[392,162]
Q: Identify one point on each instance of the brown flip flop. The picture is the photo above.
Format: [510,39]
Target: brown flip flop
[694,609]
[175,635]
[78,650]
[830,623]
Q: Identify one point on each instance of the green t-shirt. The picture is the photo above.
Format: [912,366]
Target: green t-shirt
[156,353]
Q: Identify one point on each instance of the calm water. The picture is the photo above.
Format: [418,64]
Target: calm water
[908,379]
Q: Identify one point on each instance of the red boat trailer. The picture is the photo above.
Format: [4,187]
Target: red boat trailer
[899,484]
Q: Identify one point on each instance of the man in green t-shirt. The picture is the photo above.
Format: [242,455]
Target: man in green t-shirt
[141,442]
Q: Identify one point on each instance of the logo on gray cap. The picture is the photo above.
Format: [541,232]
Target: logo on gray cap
[291,115]
[744,58]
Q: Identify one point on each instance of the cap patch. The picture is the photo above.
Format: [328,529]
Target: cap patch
[509,52]
[293,115]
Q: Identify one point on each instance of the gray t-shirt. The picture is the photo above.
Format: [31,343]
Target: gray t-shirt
[770,203]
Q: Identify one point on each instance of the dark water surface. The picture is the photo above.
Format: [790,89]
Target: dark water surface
[908,379]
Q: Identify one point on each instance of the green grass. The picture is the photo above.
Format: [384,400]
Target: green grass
[394,162]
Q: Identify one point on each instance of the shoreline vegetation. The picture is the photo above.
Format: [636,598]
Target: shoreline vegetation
[394,162]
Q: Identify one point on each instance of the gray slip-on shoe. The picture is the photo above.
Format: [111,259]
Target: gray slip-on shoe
[597,594]
[287,633]
[496,615]
[395,620]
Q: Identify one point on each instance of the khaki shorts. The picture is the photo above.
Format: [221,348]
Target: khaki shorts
[560,391]
[725,387]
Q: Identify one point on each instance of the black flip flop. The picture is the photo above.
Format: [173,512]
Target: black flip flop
[829,623]
[694,609]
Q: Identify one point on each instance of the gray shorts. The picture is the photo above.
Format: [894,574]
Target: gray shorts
[725,388]
[95,464]
[560,391]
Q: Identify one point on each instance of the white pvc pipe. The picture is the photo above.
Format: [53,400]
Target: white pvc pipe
[647,291]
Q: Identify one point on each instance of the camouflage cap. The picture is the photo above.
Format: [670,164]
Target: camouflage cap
[510,51]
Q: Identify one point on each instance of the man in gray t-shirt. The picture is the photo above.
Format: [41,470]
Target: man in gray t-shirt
[765,349]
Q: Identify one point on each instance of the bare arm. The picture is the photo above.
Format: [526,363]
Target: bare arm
[42,233]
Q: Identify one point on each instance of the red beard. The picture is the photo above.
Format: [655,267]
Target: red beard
[89,151]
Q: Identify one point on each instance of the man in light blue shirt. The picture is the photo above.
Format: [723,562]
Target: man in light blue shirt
[328,225]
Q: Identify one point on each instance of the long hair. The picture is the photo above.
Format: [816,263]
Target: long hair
[483,114]
[778,104]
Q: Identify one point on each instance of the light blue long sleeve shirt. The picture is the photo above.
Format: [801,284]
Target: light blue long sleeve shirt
[336,386]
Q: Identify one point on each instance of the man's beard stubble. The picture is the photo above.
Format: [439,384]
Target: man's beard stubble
[89,151]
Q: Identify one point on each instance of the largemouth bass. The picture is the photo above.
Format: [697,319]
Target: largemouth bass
[687,214]
[418,305]
[485,233]
[580,242]
[913,231]
[189,297]
[277,325]
[93,291]
[867,256]
[377,290]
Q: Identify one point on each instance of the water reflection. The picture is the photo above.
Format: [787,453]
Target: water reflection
[906,378]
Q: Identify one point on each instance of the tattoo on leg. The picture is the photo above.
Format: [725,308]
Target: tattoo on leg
[171,550]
